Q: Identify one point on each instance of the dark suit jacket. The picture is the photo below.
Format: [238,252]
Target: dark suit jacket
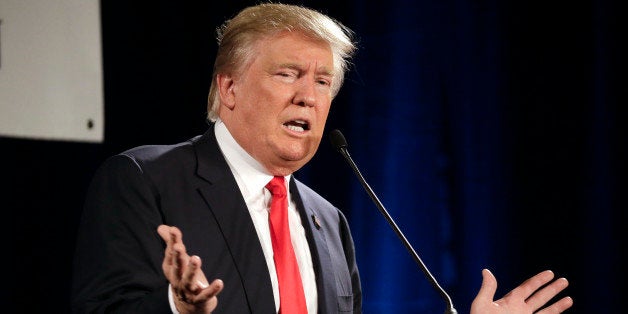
[118,261]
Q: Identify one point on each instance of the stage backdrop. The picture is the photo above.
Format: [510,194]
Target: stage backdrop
[490,130]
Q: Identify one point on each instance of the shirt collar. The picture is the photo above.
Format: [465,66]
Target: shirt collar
[253,176]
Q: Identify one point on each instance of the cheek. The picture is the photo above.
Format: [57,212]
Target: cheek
[254,106]
[322,114]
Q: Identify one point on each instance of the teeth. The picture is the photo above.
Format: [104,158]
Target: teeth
[297,125]
[295,128]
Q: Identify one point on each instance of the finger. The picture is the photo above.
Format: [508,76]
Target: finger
[207,298]
[191,281]
[558,307]
[489,286]
[211,291]
[168,262]
[193,288]
[164,232]
[180,260]
[170,235]
[176,257]
[175,235]
[528,287]
[538,299]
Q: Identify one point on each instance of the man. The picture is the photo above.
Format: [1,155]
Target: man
[277,70]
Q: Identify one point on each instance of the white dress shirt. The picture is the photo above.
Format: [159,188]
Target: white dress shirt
[252,179]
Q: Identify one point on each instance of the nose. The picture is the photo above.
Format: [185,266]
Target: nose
[306,94]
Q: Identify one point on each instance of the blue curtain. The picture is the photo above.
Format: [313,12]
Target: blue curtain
[424,125]
[490,131]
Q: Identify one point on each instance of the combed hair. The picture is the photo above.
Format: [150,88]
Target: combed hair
[237,38]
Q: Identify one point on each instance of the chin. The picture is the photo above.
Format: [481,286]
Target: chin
[297,160]
[296,151]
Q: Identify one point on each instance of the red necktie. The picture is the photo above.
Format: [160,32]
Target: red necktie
[291,295]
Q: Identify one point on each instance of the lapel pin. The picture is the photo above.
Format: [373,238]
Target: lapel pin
[317,223]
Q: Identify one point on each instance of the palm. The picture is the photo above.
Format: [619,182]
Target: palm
[529,297]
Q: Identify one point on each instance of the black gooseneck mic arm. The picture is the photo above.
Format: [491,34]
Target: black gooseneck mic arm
[340,143]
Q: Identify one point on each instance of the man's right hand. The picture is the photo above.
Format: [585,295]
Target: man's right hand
[192,293]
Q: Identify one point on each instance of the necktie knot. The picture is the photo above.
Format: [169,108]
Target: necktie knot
[277,186]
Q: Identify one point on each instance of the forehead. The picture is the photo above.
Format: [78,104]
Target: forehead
[296,47]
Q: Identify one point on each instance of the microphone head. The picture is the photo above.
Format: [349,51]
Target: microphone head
[338,140]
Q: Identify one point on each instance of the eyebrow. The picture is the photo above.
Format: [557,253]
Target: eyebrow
[321,70]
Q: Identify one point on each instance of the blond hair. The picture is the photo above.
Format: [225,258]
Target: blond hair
[237,38]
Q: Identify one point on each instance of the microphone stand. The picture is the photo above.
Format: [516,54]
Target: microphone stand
[340,143]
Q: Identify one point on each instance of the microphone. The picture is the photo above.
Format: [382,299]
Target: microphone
[340,143]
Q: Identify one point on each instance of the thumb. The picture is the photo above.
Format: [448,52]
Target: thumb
[489,286]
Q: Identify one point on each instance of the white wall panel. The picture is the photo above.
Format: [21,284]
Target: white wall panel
[51,70]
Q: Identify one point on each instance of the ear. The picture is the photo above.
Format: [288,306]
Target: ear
[226,90]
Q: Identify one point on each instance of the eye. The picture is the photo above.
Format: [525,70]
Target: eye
[324,82]
[288,76]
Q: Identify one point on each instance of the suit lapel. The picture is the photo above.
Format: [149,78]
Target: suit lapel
[321,260]
[232,215]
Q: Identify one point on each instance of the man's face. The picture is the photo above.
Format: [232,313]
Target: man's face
[277,108]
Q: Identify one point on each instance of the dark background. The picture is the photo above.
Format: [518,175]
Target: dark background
[491,131]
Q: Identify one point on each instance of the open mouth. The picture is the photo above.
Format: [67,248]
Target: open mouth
[297,125]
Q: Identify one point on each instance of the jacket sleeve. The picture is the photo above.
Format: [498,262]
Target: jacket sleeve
[118,257]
